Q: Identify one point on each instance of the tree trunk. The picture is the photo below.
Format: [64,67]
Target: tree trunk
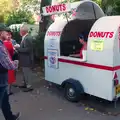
[44,24]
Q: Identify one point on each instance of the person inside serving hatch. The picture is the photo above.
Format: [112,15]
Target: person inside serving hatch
[83,50]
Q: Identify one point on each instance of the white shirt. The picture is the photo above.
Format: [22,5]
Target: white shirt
[84,52]
[24,37]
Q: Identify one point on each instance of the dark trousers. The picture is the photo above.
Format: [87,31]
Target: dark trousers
[27,75]
[5,105]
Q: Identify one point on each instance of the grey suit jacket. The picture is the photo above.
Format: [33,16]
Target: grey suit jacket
[26,52]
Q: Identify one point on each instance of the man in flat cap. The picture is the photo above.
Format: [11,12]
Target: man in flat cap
[5,65]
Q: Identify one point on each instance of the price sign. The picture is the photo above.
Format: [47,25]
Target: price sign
[97,45]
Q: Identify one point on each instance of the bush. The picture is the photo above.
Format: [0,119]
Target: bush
[39,46]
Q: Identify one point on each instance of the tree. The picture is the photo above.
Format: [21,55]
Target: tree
[106,5]
[18,17]
[44,24]
[98,2]
[28,2]
[111,7]
[5,7]
[46,20]
[116,8]
[30,5]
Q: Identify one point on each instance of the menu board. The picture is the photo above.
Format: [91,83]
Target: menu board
[97,45]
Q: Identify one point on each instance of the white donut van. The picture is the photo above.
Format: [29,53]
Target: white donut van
[99,74]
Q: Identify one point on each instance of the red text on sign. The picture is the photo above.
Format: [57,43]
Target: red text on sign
[101,34]
[51,33]
[56,8]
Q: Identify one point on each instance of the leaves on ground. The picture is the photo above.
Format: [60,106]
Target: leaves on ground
[89,109]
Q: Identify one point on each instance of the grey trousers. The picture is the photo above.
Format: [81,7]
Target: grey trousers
[27,75]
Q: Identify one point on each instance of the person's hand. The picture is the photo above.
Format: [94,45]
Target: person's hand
[16,61]
[17,46]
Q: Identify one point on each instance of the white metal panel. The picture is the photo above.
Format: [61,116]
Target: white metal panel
[55,27]
[105,57]
[95,81]
[116,41]
[116,50]
[52,42]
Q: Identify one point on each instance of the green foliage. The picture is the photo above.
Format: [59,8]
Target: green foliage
[39,45]
[99,2]
[106,3]
[26,2]
[31,5]
[116,8]
[111,7]
[1,18]
[6,6]
[18,17]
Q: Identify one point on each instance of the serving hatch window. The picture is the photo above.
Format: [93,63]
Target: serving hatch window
[69,42]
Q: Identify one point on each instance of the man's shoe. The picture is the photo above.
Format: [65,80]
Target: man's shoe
[22,86]
[17,116]
[28,86]
[25,86]
[11,93]
[27,89]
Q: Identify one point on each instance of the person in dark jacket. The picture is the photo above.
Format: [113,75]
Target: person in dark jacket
[26,57]
[5,64]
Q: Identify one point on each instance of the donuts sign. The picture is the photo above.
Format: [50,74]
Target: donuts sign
[60,8]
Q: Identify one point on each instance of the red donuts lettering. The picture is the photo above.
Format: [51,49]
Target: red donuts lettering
[111,34]
[51,33]
[56,8]
[64,7]
[101,34]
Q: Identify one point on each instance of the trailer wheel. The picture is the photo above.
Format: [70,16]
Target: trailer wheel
[71,93]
